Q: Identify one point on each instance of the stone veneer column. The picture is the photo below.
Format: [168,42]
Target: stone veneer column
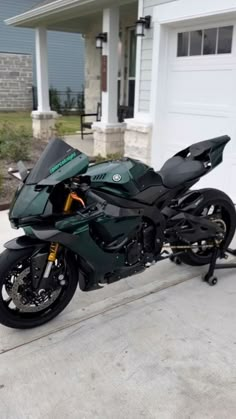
[108,139]
[43,124]
[138,140]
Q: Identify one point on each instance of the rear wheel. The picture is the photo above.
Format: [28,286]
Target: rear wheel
[22,307]
[219,208]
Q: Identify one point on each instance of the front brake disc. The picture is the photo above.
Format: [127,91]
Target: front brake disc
[40,300]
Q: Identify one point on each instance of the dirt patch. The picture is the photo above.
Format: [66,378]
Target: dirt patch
[9,183]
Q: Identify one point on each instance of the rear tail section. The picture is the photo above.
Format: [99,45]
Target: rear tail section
[209,152]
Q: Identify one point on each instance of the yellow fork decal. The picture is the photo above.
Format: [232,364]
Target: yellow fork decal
[53,252]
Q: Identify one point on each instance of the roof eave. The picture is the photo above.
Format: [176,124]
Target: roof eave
[29,16]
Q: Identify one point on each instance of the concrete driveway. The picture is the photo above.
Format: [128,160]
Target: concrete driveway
[159,345]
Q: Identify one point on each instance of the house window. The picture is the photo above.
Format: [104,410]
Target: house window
[195,43]
[225,40]
[209,43]
[205,42]
[183,43]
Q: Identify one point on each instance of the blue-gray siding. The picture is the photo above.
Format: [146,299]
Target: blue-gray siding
[65,50]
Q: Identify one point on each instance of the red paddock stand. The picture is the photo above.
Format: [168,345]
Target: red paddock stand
[210,275]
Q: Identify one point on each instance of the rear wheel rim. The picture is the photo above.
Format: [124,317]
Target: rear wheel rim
[218,214]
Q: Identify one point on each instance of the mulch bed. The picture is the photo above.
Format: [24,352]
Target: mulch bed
[9,183]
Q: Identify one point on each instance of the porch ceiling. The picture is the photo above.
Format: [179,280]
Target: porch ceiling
[70,15]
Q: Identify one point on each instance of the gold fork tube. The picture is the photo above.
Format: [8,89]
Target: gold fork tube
[55,246]
[68,203]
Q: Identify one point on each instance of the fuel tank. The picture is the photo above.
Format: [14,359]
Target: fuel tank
[120,177]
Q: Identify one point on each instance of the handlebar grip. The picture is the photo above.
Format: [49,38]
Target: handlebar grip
[96,198]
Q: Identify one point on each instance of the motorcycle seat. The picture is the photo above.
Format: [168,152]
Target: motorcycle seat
[179,170]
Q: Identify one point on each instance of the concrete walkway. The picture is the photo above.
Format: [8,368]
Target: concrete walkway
[85,145]
[159,345]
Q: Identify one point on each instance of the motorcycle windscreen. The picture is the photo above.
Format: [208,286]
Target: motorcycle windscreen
[56,155]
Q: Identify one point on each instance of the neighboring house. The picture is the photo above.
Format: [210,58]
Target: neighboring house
[17,59]
[184,79]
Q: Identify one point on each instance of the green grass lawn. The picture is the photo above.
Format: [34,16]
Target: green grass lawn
[67,124]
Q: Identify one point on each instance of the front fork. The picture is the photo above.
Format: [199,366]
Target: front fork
[54,247]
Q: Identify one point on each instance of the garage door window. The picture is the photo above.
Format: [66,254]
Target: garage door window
[205,42]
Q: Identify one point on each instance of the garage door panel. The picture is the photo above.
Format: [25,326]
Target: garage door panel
[200,109]
[200,104]
[185,129]
[191,86]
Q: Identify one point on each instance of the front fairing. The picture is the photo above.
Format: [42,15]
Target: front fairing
[33,198]
[28,202]
[57,163]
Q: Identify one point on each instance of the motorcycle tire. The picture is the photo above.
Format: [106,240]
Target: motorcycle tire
[15,266]
[212,198]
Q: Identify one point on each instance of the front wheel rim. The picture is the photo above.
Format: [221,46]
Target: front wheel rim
[14,297]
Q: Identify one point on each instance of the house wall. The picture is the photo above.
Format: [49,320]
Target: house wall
[15,82]
[65,50]
[146,58]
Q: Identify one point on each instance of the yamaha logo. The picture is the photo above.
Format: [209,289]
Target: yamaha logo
[117,178]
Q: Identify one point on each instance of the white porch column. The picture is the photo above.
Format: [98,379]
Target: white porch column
[109,134]
[43,119]
[110,49]
[138,132]
[41,49]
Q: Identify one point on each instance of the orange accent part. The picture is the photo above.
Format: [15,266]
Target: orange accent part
[77,198]
[72,197]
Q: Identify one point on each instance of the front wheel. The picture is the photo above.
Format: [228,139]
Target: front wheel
[219,208]
[22,307]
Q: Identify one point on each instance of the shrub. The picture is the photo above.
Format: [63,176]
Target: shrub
[15,143]
[55,101]
[100,159]
[80,102]
[59,130]
[70,101]
[1,183]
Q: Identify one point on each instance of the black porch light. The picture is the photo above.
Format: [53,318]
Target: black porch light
[142,24]
[100,39]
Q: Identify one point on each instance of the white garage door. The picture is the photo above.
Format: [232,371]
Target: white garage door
[200,99]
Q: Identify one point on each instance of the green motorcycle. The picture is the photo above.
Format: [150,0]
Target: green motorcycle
[96,224]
